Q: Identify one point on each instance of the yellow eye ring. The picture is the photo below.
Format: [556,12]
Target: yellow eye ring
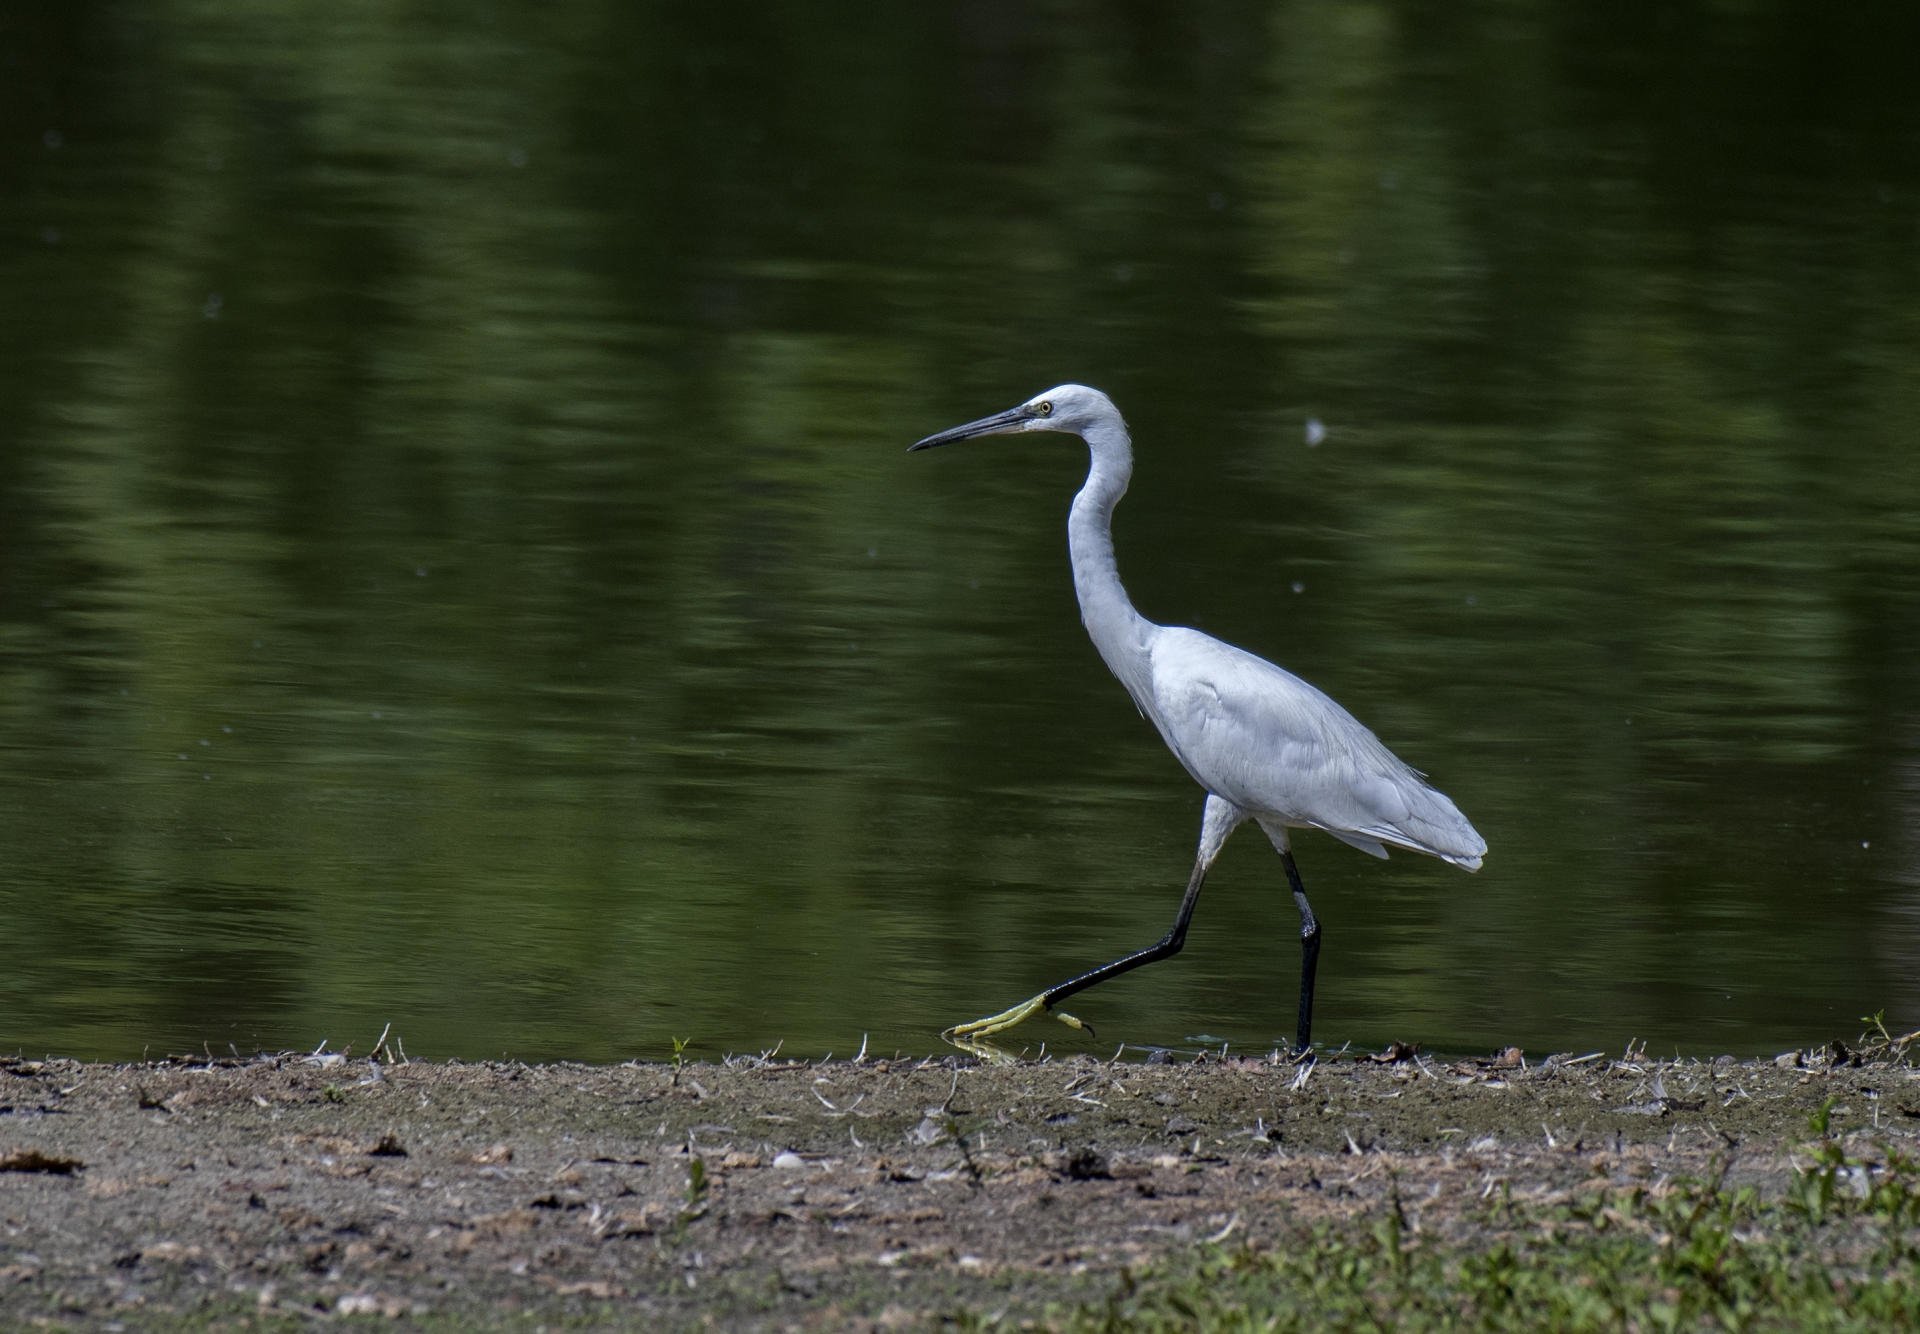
[1043,409]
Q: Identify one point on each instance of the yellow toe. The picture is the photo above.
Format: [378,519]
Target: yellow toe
[1071,1022]
[989,1052]
[998,1023]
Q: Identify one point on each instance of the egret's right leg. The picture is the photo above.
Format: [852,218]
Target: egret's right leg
[1309,937]
[1220,819]
[1309,955]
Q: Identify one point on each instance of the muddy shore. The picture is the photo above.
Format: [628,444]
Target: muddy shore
[226,1193]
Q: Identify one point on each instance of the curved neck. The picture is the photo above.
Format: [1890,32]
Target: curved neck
[1117,630]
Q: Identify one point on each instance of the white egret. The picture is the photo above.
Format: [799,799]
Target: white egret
[1264,744]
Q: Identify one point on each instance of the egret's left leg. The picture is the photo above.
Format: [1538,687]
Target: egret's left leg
[1168,946]
[1220,818]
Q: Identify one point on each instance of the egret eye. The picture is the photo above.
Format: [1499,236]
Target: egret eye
[1043,409]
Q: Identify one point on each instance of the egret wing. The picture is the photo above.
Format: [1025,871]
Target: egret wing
[1274,745]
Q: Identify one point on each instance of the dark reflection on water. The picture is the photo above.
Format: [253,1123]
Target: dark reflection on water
[458,564]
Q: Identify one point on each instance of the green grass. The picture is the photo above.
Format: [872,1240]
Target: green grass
[1836,1252]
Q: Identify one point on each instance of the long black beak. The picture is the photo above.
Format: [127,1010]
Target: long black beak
[1001,423]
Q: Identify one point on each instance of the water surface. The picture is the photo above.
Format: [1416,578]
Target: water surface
[459,564]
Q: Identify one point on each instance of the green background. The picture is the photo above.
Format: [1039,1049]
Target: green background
[459,564]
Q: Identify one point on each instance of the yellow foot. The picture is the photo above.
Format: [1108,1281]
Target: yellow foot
[989,1052]
[962,1034]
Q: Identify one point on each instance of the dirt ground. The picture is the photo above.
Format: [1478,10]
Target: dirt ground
[221,1193]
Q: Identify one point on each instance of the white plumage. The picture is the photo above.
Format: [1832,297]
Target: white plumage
[1260,738]
[1264,744]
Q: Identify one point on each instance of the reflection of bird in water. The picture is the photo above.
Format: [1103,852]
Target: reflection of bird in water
[1264,744]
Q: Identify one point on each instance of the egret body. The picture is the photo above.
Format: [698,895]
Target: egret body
[1264,744]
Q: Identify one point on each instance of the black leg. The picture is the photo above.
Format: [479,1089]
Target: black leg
[1309,954]
[967,1035]
[1168,947]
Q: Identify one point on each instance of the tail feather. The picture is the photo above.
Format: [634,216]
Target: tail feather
[1432,824]
[1436,826]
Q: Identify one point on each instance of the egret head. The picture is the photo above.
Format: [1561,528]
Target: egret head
[1070,408]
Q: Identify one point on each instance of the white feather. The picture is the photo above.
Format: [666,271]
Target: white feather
[1274,746]
[1250,733]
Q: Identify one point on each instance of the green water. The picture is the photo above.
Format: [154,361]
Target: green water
[460,566]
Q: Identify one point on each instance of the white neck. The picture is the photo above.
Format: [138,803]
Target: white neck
[1118,631]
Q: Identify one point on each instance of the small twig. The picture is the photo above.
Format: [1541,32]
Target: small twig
[838,1111]
[966,1154]
[1224,1232]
